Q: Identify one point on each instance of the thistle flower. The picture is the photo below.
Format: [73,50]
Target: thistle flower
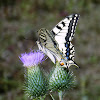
[31,59]
[36,82]
[61,79]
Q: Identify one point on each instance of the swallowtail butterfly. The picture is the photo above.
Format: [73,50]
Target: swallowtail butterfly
[56,44]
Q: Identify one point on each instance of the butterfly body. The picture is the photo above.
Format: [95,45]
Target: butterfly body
[56,44]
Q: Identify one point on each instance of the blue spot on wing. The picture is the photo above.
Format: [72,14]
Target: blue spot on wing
[67,53]
[66,45]
[67,57]
[67,49]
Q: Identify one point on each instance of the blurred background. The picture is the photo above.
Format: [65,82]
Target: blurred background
[19,22]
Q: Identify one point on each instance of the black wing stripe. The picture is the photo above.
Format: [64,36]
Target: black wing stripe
[72,27]
[63,23]
[69,29]
[59,27]
[53,32]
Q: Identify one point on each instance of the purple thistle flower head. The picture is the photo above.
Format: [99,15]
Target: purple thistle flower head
[32,58]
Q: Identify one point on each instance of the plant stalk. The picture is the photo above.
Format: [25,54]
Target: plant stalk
[60,93]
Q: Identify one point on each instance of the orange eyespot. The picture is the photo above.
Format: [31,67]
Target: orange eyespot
[61,63]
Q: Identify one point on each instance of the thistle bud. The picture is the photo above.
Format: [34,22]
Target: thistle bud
[61,79]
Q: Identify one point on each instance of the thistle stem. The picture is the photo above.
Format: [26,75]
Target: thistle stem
[60,93]
[51,96]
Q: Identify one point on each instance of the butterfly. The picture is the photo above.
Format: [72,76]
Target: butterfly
[56,44]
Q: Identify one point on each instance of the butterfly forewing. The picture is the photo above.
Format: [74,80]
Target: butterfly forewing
[66,27]
[64,33]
